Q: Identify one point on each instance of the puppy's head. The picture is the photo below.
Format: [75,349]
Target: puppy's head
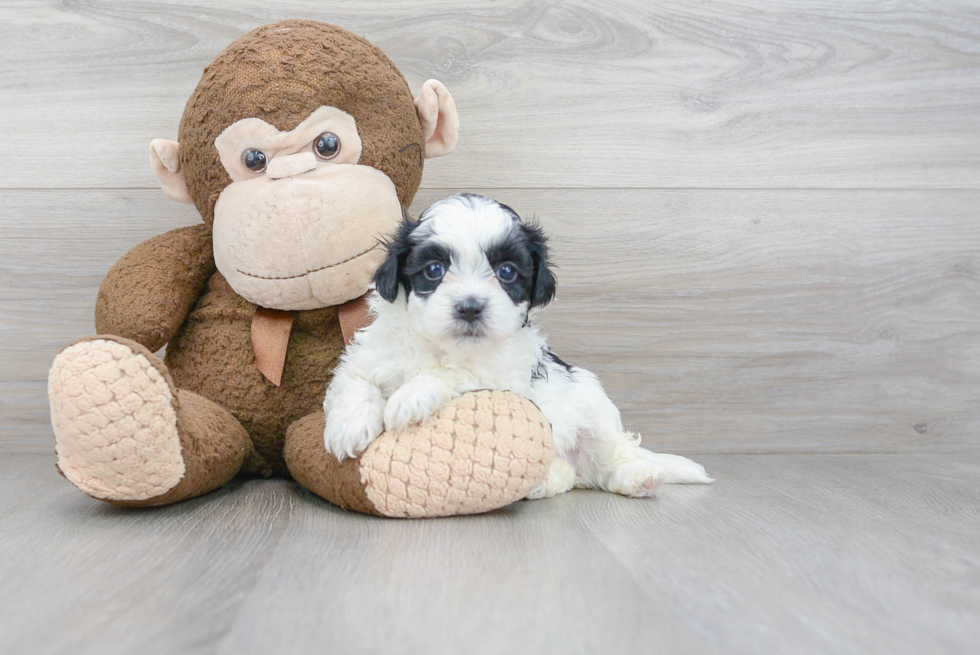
[469,270]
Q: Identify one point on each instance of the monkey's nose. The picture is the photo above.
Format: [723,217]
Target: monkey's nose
[289,165]
[470,310]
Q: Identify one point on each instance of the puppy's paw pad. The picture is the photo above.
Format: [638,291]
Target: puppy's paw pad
[350,429]
[638,480]
[409,405]
[649,487]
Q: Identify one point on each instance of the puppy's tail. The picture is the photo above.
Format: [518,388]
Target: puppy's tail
[679,469]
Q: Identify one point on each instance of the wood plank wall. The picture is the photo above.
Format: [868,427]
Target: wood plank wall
[765,214]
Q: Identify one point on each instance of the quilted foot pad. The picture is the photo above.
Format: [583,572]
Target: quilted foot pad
[115,422]
[484,450]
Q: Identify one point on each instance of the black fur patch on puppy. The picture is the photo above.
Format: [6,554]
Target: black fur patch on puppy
[417,261]
[526,247]
[514,250]
[540,370]
[392,271]
[558,360]
[543,289]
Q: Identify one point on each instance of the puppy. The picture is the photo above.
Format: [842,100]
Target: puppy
[453,307]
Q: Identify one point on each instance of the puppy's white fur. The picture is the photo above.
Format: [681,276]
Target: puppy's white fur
[419,354]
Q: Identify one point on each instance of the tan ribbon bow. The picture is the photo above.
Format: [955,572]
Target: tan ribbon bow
[271,328]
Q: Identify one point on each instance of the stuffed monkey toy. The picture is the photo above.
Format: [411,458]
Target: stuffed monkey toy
[301,147]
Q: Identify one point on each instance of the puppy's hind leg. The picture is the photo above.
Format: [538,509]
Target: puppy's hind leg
[613,460]
[561,478]
[678,469]
[622,469]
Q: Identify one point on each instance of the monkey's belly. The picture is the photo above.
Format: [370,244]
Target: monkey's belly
[211,355]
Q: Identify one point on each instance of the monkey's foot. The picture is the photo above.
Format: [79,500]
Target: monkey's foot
[482,451]
[114,414]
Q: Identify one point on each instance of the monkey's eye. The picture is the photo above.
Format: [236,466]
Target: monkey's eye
[434,271]
[507,273]
[327,146]
[254,160]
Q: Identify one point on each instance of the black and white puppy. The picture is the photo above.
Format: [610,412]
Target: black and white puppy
[453,314]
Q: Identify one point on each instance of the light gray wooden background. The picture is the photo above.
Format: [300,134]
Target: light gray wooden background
[766,220]
[765,214]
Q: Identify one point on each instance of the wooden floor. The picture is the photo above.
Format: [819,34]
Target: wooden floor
[766,220]
[784,554]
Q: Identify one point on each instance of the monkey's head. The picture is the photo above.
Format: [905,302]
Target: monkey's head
[302,147]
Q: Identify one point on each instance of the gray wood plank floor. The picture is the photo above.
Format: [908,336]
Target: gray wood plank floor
[784,554]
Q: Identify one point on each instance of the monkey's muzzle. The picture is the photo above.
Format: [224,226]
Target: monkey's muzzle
[308,241]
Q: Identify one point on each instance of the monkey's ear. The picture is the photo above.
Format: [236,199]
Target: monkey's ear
[437,113]
[165,162]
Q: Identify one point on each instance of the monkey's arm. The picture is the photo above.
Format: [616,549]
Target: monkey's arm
[147,294]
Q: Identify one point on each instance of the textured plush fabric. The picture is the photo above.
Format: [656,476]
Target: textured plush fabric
[116,415]
[482,451]
[136,431]
[213,446]
[126,435]
[315,241]
[280,73]
[146,294]
[311,466]
[212,356]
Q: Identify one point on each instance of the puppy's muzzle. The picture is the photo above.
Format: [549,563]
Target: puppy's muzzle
[470,310]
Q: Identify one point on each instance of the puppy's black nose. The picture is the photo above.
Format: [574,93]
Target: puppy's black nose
[470,309]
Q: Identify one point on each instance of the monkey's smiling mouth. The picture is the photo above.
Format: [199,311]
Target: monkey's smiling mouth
[315,270]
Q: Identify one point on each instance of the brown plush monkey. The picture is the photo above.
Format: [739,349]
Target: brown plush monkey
[301,147]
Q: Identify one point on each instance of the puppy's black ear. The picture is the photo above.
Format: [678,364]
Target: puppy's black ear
[389,275]
[544,283]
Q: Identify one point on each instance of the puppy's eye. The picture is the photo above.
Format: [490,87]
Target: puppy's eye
[327,146]
[254,160]
[506,273]
[434,271]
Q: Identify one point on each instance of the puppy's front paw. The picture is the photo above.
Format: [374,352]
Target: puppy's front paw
[350,429]
[410,404]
